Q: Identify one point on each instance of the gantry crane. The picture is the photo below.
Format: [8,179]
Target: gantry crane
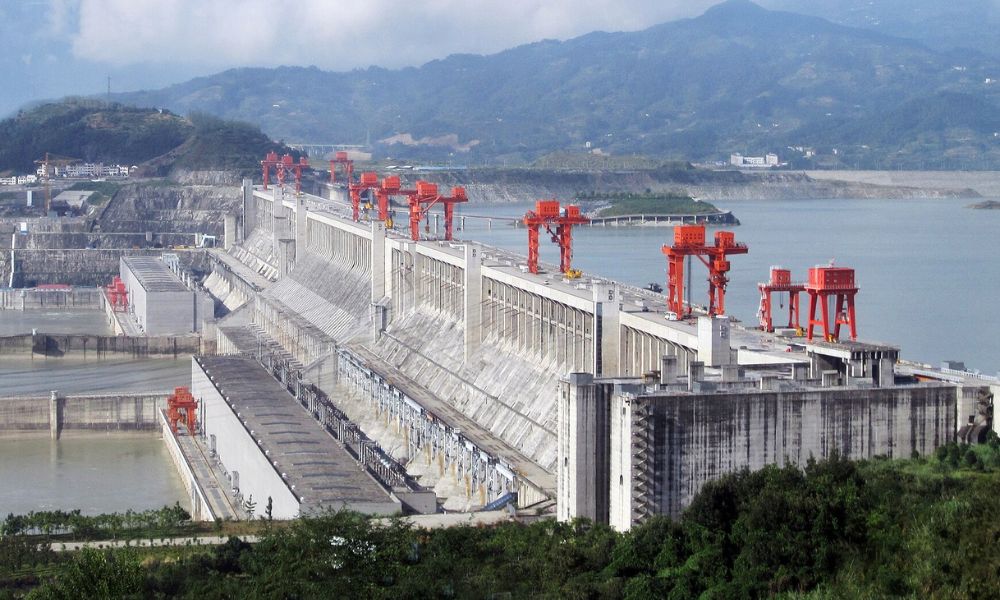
[689,240]
[286,164]
[368,181]
[282,166]
[182,407]
[117,295]
[340,158]
[270,160]
[424,197]
[837,283]
[780,282]
[389,187]
[559,224]
[48,162]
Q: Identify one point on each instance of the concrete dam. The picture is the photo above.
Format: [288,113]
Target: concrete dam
[451,368]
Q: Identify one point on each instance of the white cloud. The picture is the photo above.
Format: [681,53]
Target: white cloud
[341,34]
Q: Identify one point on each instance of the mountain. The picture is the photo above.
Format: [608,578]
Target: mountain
[967,24]
[739,78]
[158,140]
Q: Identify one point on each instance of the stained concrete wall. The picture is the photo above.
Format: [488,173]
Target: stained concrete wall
[666,447]
[105,413]
[96,346]
[88,298]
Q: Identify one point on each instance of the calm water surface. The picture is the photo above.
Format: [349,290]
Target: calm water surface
[95,474]
[39,375]
[928,268]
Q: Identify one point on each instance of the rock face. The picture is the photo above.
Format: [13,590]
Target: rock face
[168,207]
[79,251]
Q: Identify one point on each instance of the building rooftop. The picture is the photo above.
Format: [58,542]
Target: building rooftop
[313,464]
[154,275]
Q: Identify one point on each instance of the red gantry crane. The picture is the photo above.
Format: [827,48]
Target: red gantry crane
[389,187]
[559,225]
[837,283]
[270,160]
[368,181]
[286,164]
[424,197]
[181,401]
[689,240]
[340,158]
[780,282]
[281,167]
[117,295]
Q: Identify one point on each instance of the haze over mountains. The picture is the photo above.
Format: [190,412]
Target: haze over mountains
[891,84]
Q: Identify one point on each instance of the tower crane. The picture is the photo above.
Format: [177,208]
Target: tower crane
[48,162]
[548,214]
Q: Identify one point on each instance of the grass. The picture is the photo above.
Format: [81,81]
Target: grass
[653,205]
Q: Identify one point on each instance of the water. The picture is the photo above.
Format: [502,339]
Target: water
[927,268]
[15,322]
[95,474]
[21,375]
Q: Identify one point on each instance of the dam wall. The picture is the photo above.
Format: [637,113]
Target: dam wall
[97,346]
[461,321]
[85,298]
[55,415]
[445,338]
[664,448]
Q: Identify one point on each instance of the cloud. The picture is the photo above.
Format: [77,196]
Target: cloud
[341,35]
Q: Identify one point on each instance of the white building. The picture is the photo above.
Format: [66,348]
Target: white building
[755,162]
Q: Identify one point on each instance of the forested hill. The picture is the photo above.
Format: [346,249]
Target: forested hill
[96,132]
[737,79]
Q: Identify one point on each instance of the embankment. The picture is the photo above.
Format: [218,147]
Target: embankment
[528,185]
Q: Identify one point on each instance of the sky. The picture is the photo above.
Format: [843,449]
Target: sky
[55,48]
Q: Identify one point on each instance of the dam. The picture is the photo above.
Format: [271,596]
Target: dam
[448,370]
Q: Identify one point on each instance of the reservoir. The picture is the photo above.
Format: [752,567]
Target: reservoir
[96,474]
[928,269]
[24,376]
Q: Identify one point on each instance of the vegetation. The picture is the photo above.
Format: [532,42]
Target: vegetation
[923,527]
[648,203]
[88,131]
[116,134]
[129,525]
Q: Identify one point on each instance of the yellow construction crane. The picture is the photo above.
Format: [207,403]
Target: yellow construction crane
[48,163]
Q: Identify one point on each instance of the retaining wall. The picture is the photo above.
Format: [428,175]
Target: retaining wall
[104,413]
[84,345]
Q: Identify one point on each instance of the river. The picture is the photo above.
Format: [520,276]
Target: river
[96,474]
[927,268]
